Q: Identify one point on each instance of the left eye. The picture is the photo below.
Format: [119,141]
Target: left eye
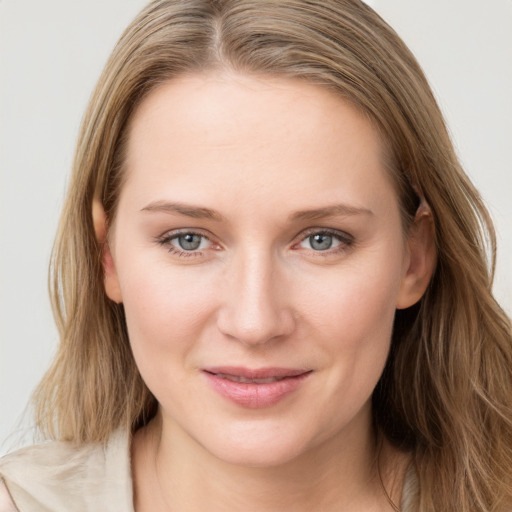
[190,241]
[321,241]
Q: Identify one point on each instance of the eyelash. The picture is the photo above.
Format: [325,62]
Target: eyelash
[165,241]
[345,242]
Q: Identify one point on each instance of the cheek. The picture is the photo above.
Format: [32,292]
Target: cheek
[351,313]
[355,301]
[165,310]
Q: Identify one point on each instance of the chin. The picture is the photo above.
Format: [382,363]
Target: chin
[258,457]
[271,448]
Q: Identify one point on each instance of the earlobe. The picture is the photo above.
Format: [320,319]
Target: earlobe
[110,279]
[422,258]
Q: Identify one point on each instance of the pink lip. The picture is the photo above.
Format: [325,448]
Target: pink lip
[255,395]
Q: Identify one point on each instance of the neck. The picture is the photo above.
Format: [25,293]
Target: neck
[172,472]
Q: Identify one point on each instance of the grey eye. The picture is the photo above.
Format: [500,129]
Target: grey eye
[189,241]
[321,241]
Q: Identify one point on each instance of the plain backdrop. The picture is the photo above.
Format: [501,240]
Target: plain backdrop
[51,54]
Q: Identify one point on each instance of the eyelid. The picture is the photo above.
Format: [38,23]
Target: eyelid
[173,233]
[346,240]
[165,240]
[342,235]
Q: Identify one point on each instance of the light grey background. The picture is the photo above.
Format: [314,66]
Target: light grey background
[51,54]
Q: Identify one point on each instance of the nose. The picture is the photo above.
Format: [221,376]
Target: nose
[256,306]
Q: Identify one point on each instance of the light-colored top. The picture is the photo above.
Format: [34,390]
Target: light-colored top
[59,477]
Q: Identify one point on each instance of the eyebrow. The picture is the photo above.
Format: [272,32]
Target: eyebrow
[197,212]
[330,211]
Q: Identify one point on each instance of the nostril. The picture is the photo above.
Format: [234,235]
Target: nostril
[256,329]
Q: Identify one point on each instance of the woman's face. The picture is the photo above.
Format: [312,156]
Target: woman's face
[259,254]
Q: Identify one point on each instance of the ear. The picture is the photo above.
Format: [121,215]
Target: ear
[421,258]
[110,280]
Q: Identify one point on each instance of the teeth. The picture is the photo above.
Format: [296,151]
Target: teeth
[237,378]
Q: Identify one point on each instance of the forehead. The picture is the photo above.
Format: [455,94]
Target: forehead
[205,132]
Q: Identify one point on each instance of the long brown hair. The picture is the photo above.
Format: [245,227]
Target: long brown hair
[446,392]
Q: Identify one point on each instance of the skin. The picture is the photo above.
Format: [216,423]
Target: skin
[258,292]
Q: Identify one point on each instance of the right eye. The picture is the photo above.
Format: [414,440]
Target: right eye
[321,242]
[185,243]
[325,242]
[190,241]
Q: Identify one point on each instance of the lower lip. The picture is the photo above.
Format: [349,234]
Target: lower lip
[252,395]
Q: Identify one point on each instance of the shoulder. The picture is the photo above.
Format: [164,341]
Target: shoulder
[57,476]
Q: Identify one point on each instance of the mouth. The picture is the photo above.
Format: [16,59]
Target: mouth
[239,378]
[257,388]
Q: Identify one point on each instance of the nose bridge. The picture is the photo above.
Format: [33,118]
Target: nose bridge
[255,309]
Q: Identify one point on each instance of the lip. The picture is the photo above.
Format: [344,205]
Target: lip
[255,388]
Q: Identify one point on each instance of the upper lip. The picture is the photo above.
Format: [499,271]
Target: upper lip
[256,373]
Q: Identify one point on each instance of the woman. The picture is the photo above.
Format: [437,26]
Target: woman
[271,280]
